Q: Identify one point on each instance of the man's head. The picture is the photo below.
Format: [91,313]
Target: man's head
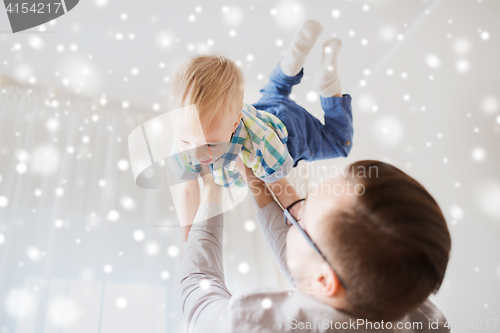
[214,84]
[383,235]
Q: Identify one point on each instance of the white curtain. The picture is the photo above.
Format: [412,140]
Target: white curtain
[77,249]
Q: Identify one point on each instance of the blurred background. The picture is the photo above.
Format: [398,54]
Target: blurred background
[78,252]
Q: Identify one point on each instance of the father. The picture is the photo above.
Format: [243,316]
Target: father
[363,252]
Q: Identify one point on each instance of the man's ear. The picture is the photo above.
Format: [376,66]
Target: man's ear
[328,281]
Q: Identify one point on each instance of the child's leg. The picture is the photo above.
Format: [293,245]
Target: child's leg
[279,85]
[327,81]
[299,48]
[309,139]
[289,71]
[337,131]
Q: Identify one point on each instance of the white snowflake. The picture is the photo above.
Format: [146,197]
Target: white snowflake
[173,251]
[490,104]
[127,202]
[243,268]
[266,303]
[63,312]
[121,303]
[123,165]
[101,3]
[485,35]
[33,253]
[139,235]
[387,33]
[433,61]
[312,96]
[250,226]
[478,154]
[204,284]
[288,14]
[463,65]
[336,13]
[21,168]
[388,130]
[20,303]
[232,15]
[456,212]
[152,248]
[58,223]
[461,46]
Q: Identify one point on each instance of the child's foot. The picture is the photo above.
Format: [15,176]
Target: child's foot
[327,81]
[302,43]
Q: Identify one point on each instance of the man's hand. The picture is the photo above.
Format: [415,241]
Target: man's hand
[211,191]
[206,175]
[261,193]
[285,192]
[247,173]
[241,168]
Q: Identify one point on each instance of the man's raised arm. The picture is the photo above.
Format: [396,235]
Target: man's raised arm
[271,221]
[204,292]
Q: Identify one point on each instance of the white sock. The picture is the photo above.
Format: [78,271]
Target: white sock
[327,81]
[302,43]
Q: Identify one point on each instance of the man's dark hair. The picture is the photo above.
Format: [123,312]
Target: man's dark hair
[391,246]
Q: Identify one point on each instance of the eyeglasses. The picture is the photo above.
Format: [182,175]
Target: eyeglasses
[292,217]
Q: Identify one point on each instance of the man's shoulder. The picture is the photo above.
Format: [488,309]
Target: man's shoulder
[277,310]
[429,315]
[253,309]
[280,310]
[267,298]
[260,296]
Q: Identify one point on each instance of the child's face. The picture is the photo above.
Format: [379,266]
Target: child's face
[206,143]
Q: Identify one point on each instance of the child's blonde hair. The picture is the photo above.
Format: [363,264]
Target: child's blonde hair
[212,82]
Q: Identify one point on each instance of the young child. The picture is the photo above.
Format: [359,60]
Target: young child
[270,136]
